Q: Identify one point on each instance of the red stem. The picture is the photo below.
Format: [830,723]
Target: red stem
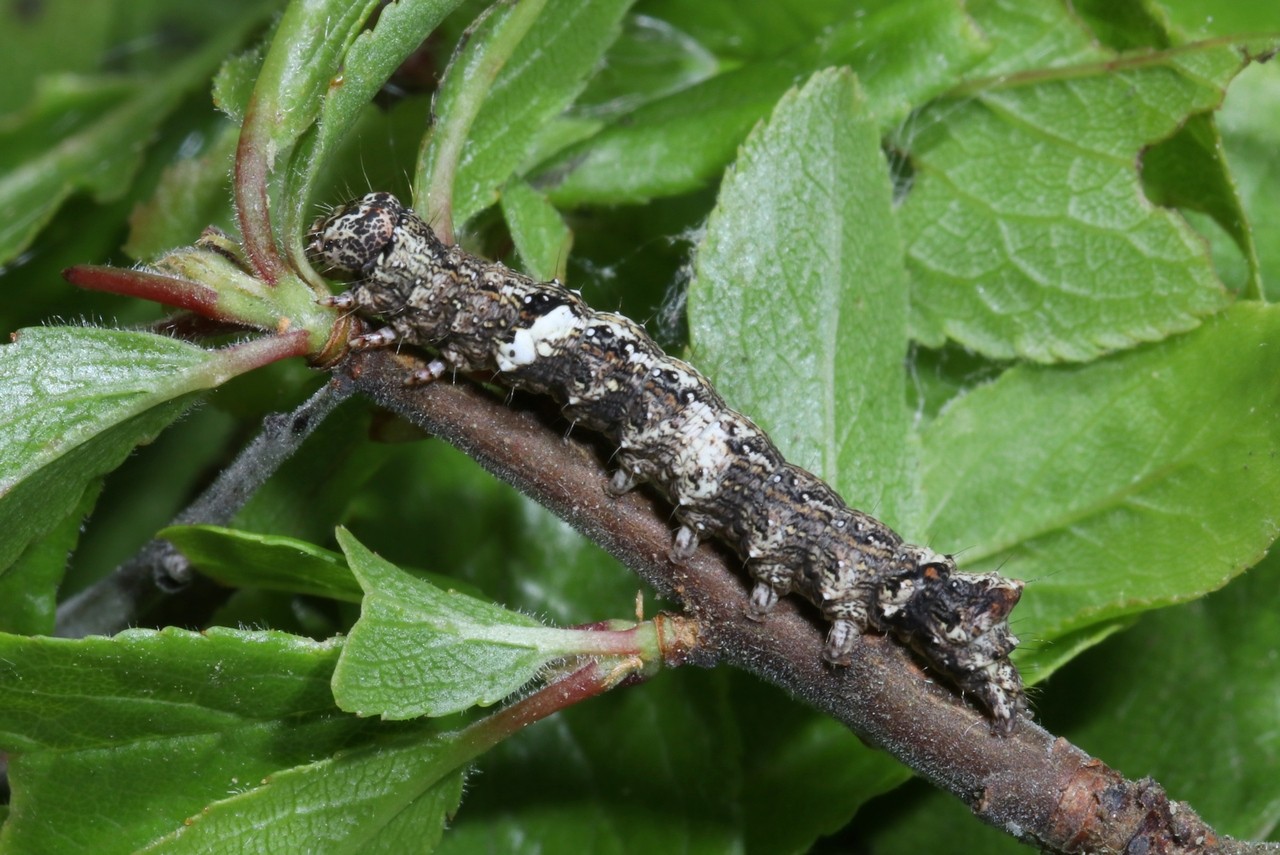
[168,290]
[253,208]
[587,682]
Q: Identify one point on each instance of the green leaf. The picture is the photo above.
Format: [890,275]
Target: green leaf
[542,76]
[1055,254]
[86,134]
[756,29]
[306,52]
[369,61]
[681,142]
[125,36]
[676,734]
[244,559]
[28,590]
[173,720]
[1133,482]
[489,44]
[77,400]
[417,650]
[826,278]
[649,60]
[541,237]
[702,745]
[392,795]
[1189,171]
[1250,123]
[233,84]
[1202,19]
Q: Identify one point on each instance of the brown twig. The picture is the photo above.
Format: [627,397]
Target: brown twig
[1038,788]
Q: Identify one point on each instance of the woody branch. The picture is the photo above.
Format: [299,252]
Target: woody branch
[1038,787]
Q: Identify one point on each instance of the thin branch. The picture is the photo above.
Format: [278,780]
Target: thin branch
[158,569]
[1039,788]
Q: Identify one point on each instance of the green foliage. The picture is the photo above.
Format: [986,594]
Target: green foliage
[519,71]
[77,401]
[827,275]
[239,558]
[78,134]
[1065,220]
[997,270]
[417,650]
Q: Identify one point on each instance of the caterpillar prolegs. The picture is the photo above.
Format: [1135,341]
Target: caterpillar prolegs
[722,474]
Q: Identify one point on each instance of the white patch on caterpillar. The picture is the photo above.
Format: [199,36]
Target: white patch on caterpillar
[537,341]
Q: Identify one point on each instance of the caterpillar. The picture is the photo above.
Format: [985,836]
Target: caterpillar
[721,473]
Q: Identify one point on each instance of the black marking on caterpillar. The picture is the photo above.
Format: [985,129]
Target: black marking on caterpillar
[722,474]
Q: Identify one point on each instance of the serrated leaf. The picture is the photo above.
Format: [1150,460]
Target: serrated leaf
[418,650]
[824,276]
[1026,228]
[392,795]
[233,84]
[681,142]
[173,720]
[538,79]
[541,237]
[76,401]
[241,558]
[1136,481]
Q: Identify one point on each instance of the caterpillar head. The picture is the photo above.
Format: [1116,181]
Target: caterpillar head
[354,236]
[959,623]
